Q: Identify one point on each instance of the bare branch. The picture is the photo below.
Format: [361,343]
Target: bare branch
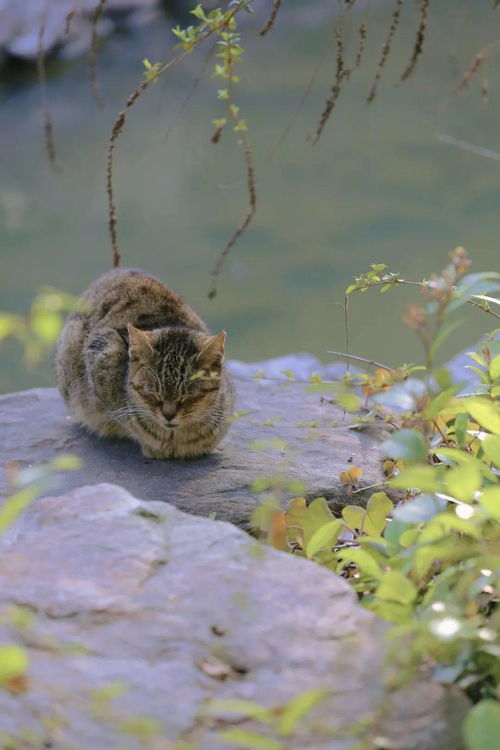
[270,22]
[96,15]
[385,50]
[362,359]
[47,117]
[419,41]
[252,207]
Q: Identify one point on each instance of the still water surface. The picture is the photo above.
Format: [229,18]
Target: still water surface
[379,186]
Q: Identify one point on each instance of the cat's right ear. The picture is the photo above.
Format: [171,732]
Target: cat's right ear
[140,345]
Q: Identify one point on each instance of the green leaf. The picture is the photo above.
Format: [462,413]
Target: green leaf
[461,422]
[391,611]
[453,456]
[251,740]
[66,462]
[406,444]
[494,368]
[323,537]
[47,325]
[424,478]
[490,499]
[396,587]
[485,412]
[491,446]
[297,709]
[9,324]
[364,560]
[105,694]
[481,728]
[353,516]
[14,505]
[463,482]
[13,662]
[441,400]
[421,508]
[473,284]
[442,336]
[317,514]
[377,508]
[251,709]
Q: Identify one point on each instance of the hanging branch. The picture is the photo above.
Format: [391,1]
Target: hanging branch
[252,207]
[117,129]
[191,91]
[419,41]
[47,117]
[270,22]
[190,39]
[362,32]
[230,53]
[69,18]
[385,50]
[96,15]
[340,74]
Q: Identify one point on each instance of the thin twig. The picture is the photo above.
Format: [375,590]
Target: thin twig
[346,330]
[191,91]
[370,487]
[96,15]
[480,150]
[419,41]
[270,21]
[252,207]
[362,359]
[484,309]
[118,128]
[47,117]
[385,50]
[69,18]
[340,74]
[362,32]
[300,105]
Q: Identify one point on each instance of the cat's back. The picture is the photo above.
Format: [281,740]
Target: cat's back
[130,295]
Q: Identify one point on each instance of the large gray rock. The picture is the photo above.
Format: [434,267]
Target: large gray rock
[20,22]
[180,610]
[36,427]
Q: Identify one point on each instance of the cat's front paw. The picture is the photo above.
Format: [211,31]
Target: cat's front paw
[149,452]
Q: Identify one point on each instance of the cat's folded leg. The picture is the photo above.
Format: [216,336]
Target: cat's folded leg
[156,453]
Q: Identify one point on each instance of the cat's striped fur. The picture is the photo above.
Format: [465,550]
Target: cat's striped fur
[138,362]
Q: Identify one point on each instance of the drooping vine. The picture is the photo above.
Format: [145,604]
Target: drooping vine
[419,41]
[222,24]
[96,15]
[272,18]
[396,15]
[42,80]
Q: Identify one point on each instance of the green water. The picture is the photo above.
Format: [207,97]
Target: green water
[379,186]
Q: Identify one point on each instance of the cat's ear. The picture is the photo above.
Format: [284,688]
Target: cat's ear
[140,346]
[212,351]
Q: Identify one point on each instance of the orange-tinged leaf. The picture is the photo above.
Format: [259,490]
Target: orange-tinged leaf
[277,532]
[351,476]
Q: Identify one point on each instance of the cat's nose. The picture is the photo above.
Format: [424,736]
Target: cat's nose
[169,411]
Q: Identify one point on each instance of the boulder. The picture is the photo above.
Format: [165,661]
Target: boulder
[66,24]
[285,430]
[141,615]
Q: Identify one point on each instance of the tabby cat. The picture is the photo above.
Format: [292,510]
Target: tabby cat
[139,363]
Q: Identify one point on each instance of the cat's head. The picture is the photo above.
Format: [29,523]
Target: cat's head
[175,373]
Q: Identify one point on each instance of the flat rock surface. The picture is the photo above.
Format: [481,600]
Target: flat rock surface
[36,427]
[179,610]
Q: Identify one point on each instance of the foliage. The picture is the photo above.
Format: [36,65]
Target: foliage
[430,566]
[39,330]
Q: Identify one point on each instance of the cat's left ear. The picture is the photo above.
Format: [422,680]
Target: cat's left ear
[212,352]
